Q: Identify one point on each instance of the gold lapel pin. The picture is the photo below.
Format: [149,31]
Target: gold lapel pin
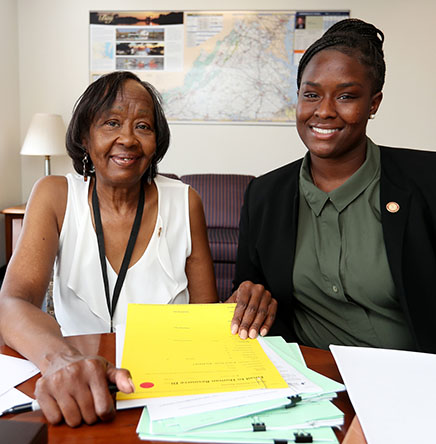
[392,207]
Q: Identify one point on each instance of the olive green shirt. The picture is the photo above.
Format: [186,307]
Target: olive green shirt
[343,288]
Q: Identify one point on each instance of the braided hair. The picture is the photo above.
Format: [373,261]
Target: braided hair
[352,37]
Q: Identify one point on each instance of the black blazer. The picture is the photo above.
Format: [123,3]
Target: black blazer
[268,230]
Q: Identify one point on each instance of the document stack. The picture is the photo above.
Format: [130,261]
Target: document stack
[199,383]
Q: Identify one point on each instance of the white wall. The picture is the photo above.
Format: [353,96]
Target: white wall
[10,168]
[53,44]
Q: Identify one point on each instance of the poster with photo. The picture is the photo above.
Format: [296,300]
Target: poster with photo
[310,26]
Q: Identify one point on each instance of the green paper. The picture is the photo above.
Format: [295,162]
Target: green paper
[283,348]
[319,434]
[302,416]
[189,422]
[326,384]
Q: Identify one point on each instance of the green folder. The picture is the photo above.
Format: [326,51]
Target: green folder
[313,414]
[185,423]
[290,352]
[319,434]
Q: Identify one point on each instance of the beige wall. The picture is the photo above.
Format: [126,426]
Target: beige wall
[53,71]
[10,169]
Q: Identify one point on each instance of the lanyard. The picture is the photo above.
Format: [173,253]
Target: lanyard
[129,249]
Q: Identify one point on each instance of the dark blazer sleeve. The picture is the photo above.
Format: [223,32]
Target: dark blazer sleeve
[247,262]
[267,236]
[408,178]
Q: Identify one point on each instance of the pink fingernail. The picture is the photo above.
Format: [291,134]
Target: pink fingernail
[131,384]
[234,329]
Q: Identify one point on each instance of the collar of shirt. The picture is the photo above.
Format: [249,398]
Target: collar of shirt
[341,197]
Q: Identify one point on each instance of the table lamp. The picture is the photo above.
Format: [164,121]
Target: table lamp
[45,137]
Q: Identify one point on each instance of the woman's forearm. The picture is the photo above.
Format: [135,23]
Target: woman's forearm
[31,332]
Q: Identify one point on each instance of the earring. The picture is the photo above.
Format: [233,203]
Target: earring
[372,116]
[84,162]
[91,170]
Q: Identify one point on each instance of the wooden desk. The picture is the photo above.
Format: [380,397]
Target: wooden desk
[13,223]
[123,428]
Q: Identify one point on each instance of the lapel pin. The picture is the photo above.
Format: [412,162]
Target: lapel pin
[392,207]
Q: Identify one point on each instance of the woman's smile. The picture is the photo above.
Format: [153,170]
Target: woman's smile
[321,133]
[324,131]
[124,160]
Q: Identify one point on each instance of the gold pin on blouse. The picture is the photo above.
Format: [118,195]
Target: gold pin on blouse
[392,207]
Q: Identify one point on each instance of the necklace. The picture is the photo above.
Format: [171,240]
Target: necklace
[111,305]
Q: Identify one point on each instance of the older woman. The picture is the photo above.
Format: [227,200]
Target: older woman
[345,238]
[117,233]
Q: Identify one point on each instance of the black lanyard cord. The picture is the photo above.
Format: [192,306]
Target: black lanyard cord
[129,249]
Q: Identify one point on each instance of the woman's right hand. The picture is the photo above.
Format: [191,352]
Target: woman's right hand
[75,388]
[255,310]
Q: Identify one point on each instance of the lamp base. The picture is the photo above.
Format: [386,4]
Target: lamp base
[47,166]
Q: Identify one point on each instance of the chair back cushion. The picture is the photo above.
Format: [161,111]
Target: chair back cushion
[222,196]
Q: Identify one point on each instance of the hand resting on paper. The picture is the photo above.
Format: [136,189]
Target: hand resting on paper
[75,388]
[255,310]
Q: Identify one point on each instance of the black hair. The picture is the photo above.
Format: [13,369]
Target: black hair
[353,37]
[99,97]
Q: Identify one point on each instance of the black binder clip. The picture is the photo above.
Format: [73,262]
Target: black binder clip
[259,427]
[303,437]
[294,401]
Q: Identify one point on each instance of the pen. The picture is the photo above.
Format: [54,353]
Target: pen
[33,406]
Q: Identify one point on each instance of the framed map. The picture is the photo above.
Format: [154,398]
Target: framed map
[215,67]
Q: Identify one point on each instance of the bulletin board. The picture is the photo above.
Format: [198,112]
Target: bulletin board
[217,67]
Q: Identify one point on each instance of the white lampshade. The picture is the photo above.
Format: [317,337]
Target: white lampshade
[45,137]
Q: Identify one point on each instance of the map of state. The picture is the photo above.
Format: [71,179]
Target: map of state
[238,68]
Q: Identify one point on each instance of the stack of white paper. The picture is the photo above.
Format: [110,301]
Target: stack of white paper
[392,392]
[14,371]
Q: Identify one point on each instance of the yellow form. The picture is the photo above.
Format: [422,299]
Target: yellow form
[174,350]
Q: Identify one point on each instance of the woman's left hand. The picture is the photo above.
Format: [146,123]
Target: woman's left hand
[255,310]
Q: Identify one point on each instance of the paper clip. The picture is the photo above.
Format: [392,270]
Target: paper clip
[294,401]
[299,438]
[259,427]
[303,437]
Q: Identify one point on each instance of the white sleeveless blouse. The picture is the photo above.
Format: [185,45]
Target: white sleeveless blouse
[157,278]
